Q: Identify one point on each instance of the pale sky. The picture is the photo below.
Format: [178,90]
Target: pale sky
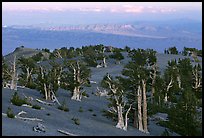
[134,7]
[22,13]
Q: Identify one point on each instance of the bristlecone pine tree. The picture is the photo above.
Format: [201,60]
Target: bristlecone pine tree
[14,75]
[6,76]
[100,49]
[49,79]
[117,101]
[28,68]
[75,75]
[137,74]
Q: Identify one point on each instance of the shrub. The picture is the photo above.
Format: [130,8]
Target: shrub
[76,121]
[93,114]
[36,107]
[9,113]
[91,110]
[80,109]
[64,107]
[16,100]
[84,94]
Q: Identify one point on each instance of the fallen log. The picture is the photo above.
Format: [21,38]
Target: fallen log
[3,114]
[55,98]
[23,118]
[43,102]
[66,133]
[26,105]
[26,118]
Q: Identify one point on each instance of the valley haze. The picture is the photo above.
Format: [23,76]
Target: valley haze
[154,25]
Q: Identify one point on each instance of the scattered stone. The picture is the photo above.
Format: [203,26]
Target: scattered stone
[39,128]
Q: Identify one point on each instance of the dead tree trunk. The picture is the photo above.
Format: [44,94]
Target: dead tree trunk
[167,90]
[76,93]
[29,72]
[153,77]
[104,62]
[14,76]
[197,79]
[144,106]
[46,88]
[126,118]
[139,104]
[120,123]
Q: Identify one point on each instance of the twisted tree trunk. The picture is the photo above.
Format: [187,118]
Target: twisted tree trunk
[144,106]
[139,99]
[14,76]
[120,123]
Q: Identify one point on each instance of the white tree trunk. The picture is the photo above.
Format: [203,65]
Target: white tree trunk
[126,118]
[144,106]
[139,99]
[76,94]
[45,90]
[120,123]
[104,62]
[197,80]
[179,81]
[153,77]
[13,85]
[167,90]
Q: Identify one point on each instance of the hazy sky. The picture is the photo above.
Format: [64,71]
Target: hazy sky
[55,12]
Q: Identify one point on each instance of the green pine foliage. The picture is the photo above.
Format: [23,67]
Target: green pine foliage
[16,100]
[10,113]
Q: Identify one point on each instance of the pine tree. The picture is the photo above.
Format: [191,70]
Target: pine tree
[183,116]
[137,73]
[117,100]
[6,76]
[28,68]
[75,75]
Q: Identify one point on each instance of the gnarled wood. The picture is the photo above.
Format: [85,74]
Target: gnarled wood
[66,133]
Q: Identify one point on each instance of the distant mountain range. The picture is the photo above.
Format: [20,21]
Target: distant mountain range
[156,35]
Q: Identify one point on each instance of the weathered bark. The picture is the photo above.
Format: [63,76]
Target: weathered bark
[101,92]
[76,94]
[197,79]
[139,100]
[14,76]
[167,90]
[29,72]
[26,118]
[55,98]
[144,106]
[58,54]
[126,117]
[43,102]
[104,62]
[120,123]
[153,77]
[66,133]
[179,81]
[46,88]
